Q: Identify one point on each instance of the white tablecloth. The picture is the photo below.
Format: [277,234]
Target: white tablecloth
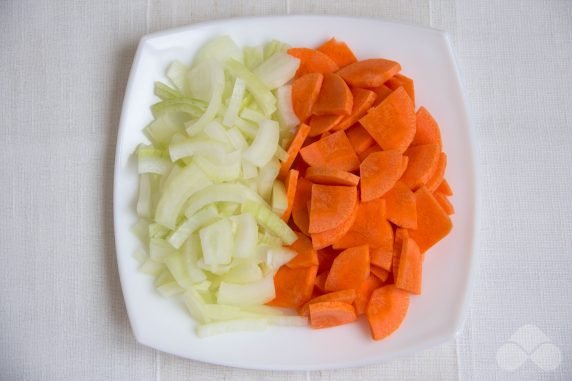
[63,70]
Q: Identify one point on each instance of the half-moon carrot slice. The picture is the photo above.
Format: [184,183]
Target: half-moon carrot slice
[400,206]
[379,172]
[305,91]
[349,270]
[312,61]
[427,131]
[331,314]
[333,151]
[386,310]
[330,206]
[409,277]
[338,51]
[369,73]
[335,97]
[433,223]
[331,176]
[422,163]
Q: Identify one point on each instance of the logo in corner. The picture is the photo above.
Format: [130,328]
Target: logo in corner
[529,343]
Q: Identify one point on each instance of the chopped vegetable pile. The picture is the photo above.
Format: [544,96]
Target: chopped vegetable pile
[290,177]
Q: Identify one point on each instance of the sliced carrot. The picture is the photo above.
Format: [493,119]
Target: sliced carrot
[359,138]
[331,314]
[381,92]
[326,257]
[362,101]
[330,206]
[369,73]
[291,184]
[400,236]
[306,256]
[409,277]
[293,286]
[401,80]
[333,151]
[439,173]
[338,51]
[400,206]
[433,224]
[335,97]
[379,172]
[305,91]
[386,310]
[422,163]
[320,282]
[331,176]
[445,188]
[392,122]
[381,257]
[328,237]
[349,270]
[312,61]
[320,124]
[374,148]
[404,163]
[364,292]
[294,149]
[427,131]
[380,273]
[345,296]
[444,203]
[300,213]
[370,228]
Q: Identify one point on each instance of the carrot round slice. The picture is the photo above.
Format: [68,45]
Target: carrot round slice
[293,286]
[362,101]
[295,145]
[300,213]
[305,91]
[349,270]
[427,131]
[345,296]
[386,310]
[330,206]
[334,151]
[369,73]
[379,173]
[400,206]
[392,122]
[409,277]
[328,237]
[312,61]
[335,97]
[364,293]
[338,51]
[331,176]
[422,163]
[359,138]
[331,314]
[323,123]
[306,256]
[433,224]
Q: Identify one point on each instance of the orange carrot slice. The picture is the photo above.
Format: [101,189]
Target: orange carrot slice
[404,163]
[400,206]
[422,163]
[300,213]
[320,282]
[294,148]
[427,131]
[331,314]
[328,237]
[439,173]
[359,138]
[386,310]
[312,61]
[381,257]
[381,92]
[333,151]
[380,273]
[392,122]
[305,91]
[379,172]
[400,236]
[374,148]
[445,188]
[362,101]
[433,224]
[400,80]
[335,97]
[291,184]
[349,270]
[320,124]
[444,203]
[364,293]
[369,73]
[330,206]
[306,256]
[331,176]
[345,296]
[409,277]
[338,51]
[293,286]
[370,228]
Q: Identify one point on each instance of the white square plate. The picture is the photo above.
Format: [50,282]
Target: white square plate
[433,317]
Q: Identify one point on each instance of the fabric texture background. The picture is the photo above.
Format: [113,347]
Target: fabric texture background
[63,71]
